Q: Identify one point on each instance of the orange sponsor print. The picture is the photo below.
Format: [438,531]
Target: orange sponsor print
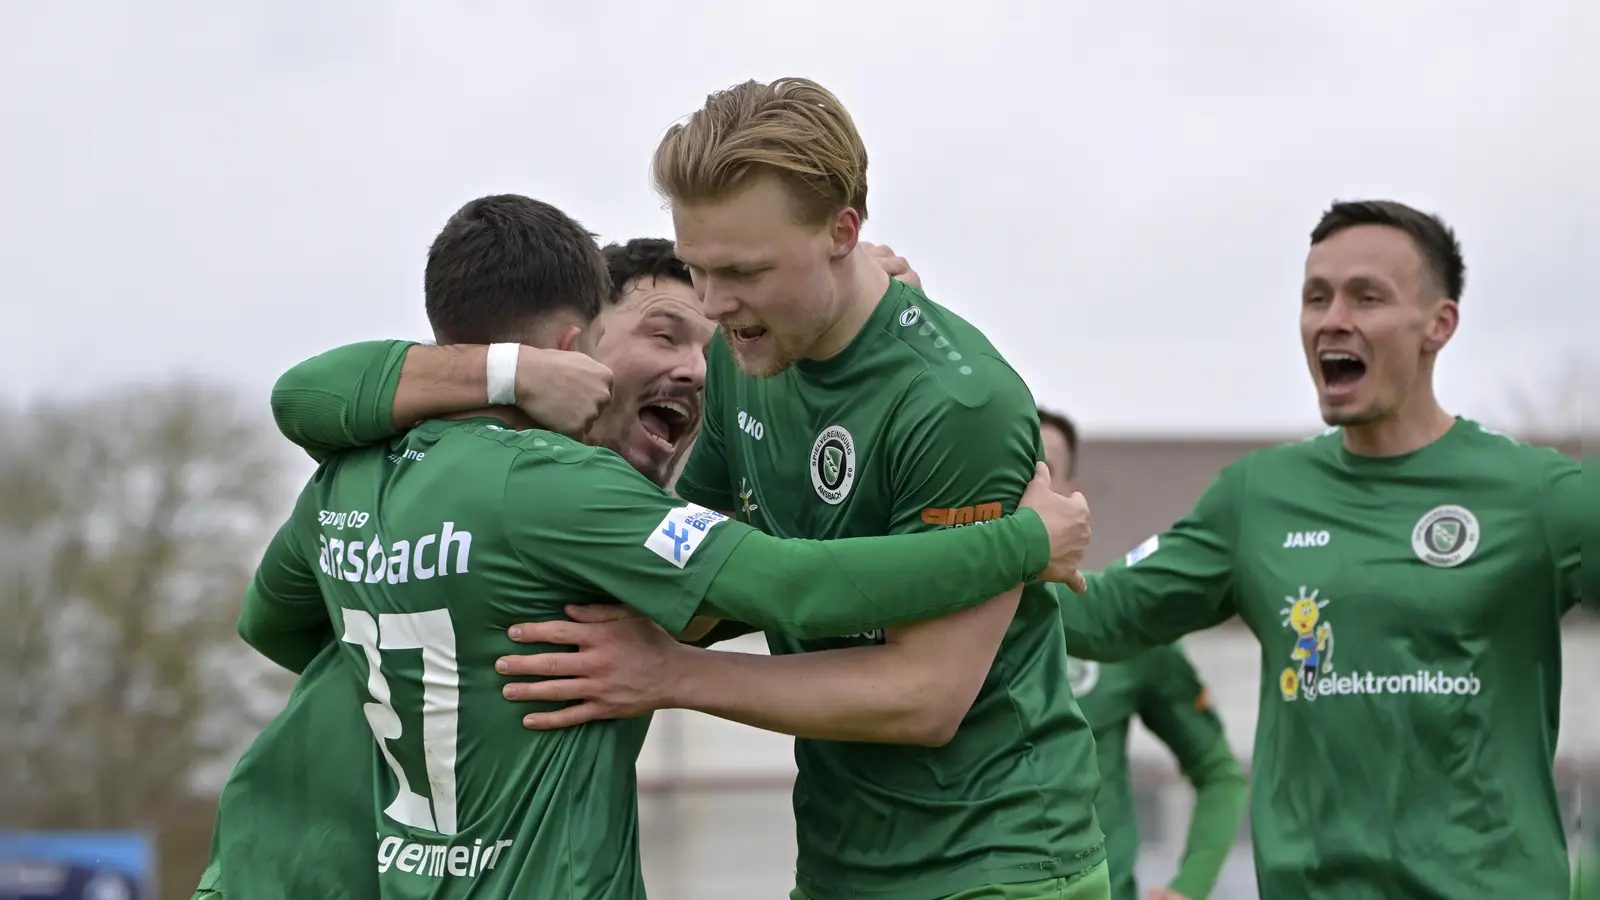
[961,515]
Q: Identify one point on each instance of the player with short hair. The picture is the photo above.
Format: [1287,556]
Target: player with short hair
[1161,687]
[1405,573]
[430,547]
[938,759]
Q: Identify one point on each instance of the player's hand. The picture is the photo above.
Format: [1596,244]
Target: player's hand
[1067,519]
[562,390]
[896,266]
[622,667]
[1162,893]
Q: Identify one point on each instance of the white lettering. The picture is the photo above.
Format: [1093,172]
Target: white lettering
[437,860]
[339,521]
[751,425]
[1306,539]
[1421,682]
[449,551]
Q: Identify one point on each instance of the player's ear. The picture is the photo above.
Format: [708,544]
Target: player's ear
[1442,325]
[569,338]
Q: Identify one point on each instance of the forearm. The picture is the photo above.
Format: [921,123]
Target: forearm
[814,589]
[869,694]
[1117,618]
[344,398]
[291,641]
[1219,807]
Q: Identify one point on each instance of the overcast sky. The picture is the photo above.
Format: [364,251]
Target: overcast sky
[1118,193]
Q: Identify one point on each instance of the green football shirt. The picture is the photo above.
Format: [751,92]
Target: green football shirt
[1161,688]
[296,816]
[918,425]
[1408,611]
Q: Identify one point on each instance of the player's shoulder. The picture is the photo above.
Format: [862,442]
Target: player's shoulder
[957,363]
[532,445]
[1503,452]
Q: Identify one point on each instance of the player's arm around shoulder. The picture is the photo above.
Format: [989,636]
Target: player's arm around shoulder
[581,517]
[966,445]
[364,393]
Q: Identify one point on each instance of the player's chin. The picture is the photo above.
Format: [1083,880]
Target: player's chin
[649,454]
[761,359]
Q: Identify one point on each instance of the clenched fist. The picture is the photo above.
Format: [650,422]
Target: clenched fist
[562,390]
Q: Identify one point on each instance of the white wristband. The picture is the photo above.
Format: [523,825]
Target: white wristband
[502,374]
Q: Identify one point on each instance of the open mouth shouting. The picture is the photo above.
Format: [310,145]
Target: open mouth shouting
[666,421]
[1341,370]
[745,336]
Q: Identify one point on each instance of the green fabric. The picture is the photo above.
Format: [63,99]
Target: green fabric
[1161,688]
[1409,614]
[1094,884]
[918,425]
[341,399]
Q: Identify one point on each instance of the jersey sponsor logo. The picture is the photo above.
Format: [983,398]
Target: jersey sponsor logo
[909,316]
[747,499]
[1311,673]
[833,464]
[961,515]
[371,560]
[1445,536]
[408,456]
[439,860]
[1150,546]
[751,425]
[682,532]
[1082,676]
[1306,539]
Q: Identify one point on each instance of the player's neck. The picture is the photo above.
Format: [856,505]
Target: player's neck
[861,283]
[1417,423]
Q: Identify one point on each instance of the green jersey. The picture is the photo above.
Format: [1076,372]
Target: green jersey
[297,815]
[1408,611]
[918,425]
[1161,688]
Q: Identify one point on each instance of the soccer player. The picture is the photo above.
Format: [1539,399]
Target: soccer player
[940,759]
[1405,573]
[1162,688]
[430,546]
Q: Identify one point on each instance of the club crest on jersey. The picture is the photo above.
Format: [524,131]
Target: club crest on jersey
[833,464]
[1082,676]
[1445,536]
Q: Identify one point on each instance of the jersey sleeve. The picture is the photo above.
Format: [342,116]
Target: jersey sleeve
[596,526]
[284,617]
[1177,582]
[1177,709]
[962,456]
[1571,520]
[342,399]
[704,479]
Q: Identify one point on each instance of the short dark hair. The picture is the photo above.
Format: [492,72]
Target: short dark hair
[1436,241]
[643,258]
[1061,423]
[502,263]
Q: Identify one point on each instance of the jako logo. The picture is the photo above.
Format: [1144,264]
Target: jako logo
[961,515]
[1306,539]
[751,425]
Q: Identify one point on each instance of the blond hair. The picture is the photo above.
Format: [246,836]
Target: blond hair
[793,127]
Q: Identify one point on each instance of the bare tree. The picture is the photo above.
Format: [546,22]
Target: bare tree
[129,526]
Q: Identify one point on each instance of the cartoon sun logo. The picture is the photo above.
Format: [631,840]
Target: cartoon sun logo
[1313,645]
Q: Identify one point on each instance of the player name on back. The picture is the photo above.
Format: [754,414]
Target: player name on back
[370,559]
